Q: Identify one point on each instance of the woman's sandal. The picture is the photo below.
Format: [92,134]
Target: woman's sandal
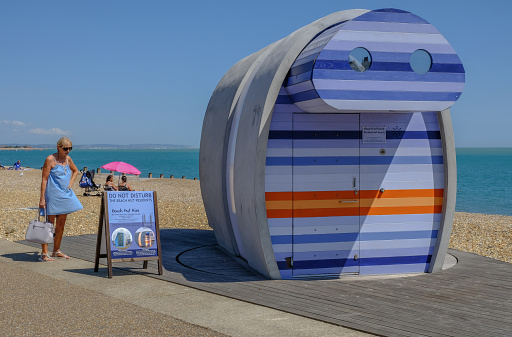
[60,255]
[45,257]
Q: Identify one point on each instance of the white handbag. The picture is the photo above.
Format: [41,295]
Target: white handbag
[39,231]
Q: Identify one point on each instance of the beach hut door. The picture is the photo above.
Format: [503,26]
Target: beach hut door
[325,179]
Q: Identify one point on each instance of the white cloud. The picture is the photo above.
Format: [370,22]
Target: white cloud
[50,132]
[17,123]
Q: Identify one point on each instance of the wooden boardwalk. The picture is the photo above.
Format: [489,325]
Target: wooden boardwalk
[473,298]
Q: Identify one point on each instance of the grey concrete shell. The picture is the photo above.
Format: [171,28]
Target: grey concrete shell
[252,85]
[234,148]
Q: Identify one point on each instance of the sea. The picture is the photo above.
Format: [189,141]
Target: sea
[484,175]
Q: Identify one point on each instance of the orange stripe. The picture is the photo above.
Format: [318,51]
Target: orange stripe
[286,204]
[401,202]
[402,193]
[272,196]
[370,194]
[352,211]
[279,213]
[401,210]
[318,212]
[327,203]
[343,203]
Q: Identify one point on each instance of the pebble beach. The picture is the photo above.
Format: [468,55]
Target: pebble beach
[180,206]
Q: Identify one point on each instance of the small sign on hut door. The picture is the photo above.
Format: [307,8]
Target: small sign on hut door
[374,134]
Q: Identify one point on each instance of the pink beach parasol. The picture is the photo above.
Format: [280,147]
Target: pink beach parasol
[121,167]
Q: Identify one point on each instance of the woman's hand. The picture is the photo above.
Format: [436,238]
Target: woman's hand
[42,203]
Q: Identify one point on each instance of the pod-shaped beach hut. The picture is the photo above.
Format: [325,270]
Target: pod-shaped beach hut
[331,151]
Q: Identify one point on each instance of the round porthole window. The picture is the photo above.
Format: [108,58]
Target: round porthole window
[421,61]
[360,59]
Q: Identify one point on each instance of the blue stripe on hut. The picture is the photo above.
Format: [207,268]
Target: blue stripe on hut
[331,152]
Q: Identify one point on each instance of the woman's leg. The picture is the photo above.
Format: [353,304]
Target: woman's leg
[44,247]
[59,230]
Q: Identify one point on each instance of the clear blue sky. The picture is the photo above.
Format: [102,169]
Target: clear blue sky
[133,71]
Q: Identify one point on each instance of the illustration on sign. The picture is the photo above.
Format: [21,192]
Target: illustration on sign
[131,217]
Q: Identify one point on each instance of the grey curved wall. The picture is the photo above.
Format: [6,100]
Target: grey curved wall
[251,144]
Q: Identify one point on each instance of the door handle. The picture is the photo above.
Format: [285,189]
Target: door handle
[347,201]
[354,185]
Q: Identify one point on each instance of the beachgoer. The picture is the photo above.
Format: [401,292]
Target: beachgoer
[109,184]
[16,165]
[124,185]
[59,173]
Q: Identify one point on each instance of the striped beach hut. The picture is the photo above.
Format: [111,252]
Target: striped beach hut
[331,151]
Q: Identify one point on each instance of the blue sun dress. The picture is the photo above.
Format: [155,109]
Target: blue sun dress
[60,199]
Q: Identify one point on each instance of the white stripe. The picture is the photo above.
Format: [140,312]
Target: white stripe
[405,185]
[325,169]
[374,105]
[344,180]
[393,269]
[326,221]
[300,87]
[277,170]
[391,178]
[324,152]
[326,84]
[334,254]
[285,126]
[402,168]
[275,231]
[320,271]
[336,229]
[311,187]
[278,179]
[282,187]
[280,222]
[394,47]
[324,125]
[400,218]
[282,248]
[399,227]
[279,152]
[402,151]
[406,243]
[351,119]
[400,37]
[287,108]
[323,246]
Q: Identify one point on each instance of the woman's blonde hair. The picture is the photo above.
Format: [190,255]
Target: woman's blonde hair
[63,140]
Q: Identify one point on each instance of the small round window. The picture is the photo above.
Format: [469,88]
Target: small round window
[360,59]
[421,61]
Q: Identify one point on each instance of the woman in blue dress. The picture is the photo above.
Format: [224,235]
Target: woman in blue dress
[59,173]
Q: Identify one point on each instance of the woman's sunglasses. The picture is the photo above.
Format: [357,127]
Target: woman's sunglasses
[67,148]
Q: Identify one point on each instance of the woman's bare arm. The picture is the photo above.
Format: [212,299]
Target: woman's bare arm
[47,167]
[75,171]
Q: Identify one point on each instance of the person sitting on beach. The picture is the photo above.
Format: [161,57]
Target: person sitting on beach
[109,184]
[124,185]
[16,166]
